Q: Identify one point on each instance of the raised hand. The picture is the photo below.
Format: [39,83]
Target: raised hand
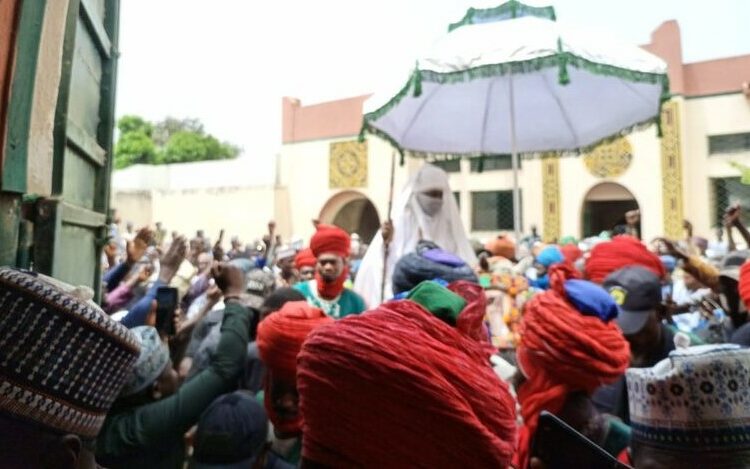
[137,248]
[171,260]
[732,216]
[218,251]
[386,229]
[144,273]
[229,278]
[672,248]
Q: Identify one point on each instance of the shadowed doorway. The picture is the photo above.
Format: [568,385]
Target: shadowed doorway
[604,208]
[353,212]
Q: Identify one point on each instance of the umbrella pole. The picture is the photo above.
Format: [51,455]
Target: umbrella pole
[388,218]
[514,163]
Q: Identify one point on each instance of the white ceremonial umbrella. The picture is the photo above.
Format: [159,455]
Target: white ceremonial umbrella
[503,83]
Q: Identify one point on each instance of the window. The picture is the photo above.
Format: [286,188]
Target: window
[457,196]
[729,191]
[492,210]
[494,163]
[449,166]
[729,143]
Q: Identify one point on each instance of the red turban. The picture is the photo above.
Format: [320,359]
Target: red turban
[394,387]
[623,251]
[471,320]
[305,258]
[561,351]
[280,337]
[502,246]
[571,252]
[744,284]
[330,239]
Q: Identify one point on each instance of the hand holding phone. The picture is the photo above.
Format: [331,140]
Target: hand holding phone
[166,305]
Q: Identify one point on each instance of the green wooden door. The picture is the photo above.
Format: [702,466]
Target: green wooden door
[70,226]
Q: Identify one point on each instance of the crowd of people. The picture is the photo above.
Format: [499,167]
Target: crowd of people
[423,349]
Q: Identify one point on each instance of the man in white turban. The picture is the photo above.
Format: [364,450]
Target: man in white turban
[425,210]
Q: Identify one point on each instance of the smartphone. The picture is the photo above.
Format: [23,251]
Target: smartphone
[166,304]
[559,446]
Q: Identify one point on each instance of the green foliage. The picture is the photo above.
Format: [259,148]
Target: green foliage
[744,171]
[130,123]
[169,141]
[134,148]
[191,146]
[171,125]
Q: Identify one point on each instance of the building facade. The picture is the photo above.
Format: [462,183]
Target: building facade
[688,173]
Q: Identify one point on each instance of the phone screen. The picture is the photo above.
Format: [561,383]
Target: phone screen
[560,446]
[166,304]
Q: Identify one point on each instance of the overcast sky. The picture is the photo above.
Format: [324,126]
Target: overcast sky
[229,62]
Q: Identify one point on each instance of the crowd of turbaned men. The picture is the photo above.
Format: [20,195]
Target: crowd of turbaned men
[421,349]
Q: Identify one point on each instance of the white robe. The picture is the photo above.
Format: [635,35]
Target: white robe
[410,225]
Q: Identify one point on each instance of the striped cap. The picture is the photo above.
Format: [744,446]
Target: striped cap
[62,359]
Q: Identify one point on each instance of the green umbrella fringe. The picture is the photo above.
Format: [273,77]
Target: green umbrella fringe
[534,65]
[509,10]
[562,60]
[562,74]
[429,156]
[385,136]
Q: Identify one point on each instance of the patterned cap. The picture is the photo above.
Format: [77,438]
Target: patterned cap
[151,362]
[699,397]
[63,361]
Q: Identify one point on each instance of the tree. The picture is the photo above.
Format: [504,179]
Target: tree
[171,125]
[169,141]
[190,146]
[131,123]
[134,148]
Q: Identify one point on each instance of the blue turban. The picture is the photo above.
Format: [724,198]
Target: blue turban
[550,255]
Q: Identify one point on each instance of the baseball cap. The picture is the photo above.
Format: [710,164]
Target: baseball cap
[231,433]
[260,282]
[637,291]
[730,265]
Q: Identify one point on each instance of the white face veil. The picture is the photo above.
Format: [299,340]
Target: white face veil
[430,179]
[415,216]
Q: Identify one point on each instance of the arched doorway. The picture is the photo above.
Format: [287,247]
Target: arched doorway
[604,208]
[354,212]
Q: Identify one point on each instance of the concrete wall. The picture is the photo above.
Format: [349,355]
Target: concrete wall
[134,206]
[239,172]
[229,194]
[240,211]
[702,118]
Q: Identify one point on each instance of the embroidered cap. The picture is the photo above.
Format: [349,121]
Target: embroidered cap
[63,361]
[152,361]
[699,397]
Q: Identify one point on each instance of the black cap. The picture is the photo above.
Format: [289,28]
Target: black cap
[231,432]
[637,291]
